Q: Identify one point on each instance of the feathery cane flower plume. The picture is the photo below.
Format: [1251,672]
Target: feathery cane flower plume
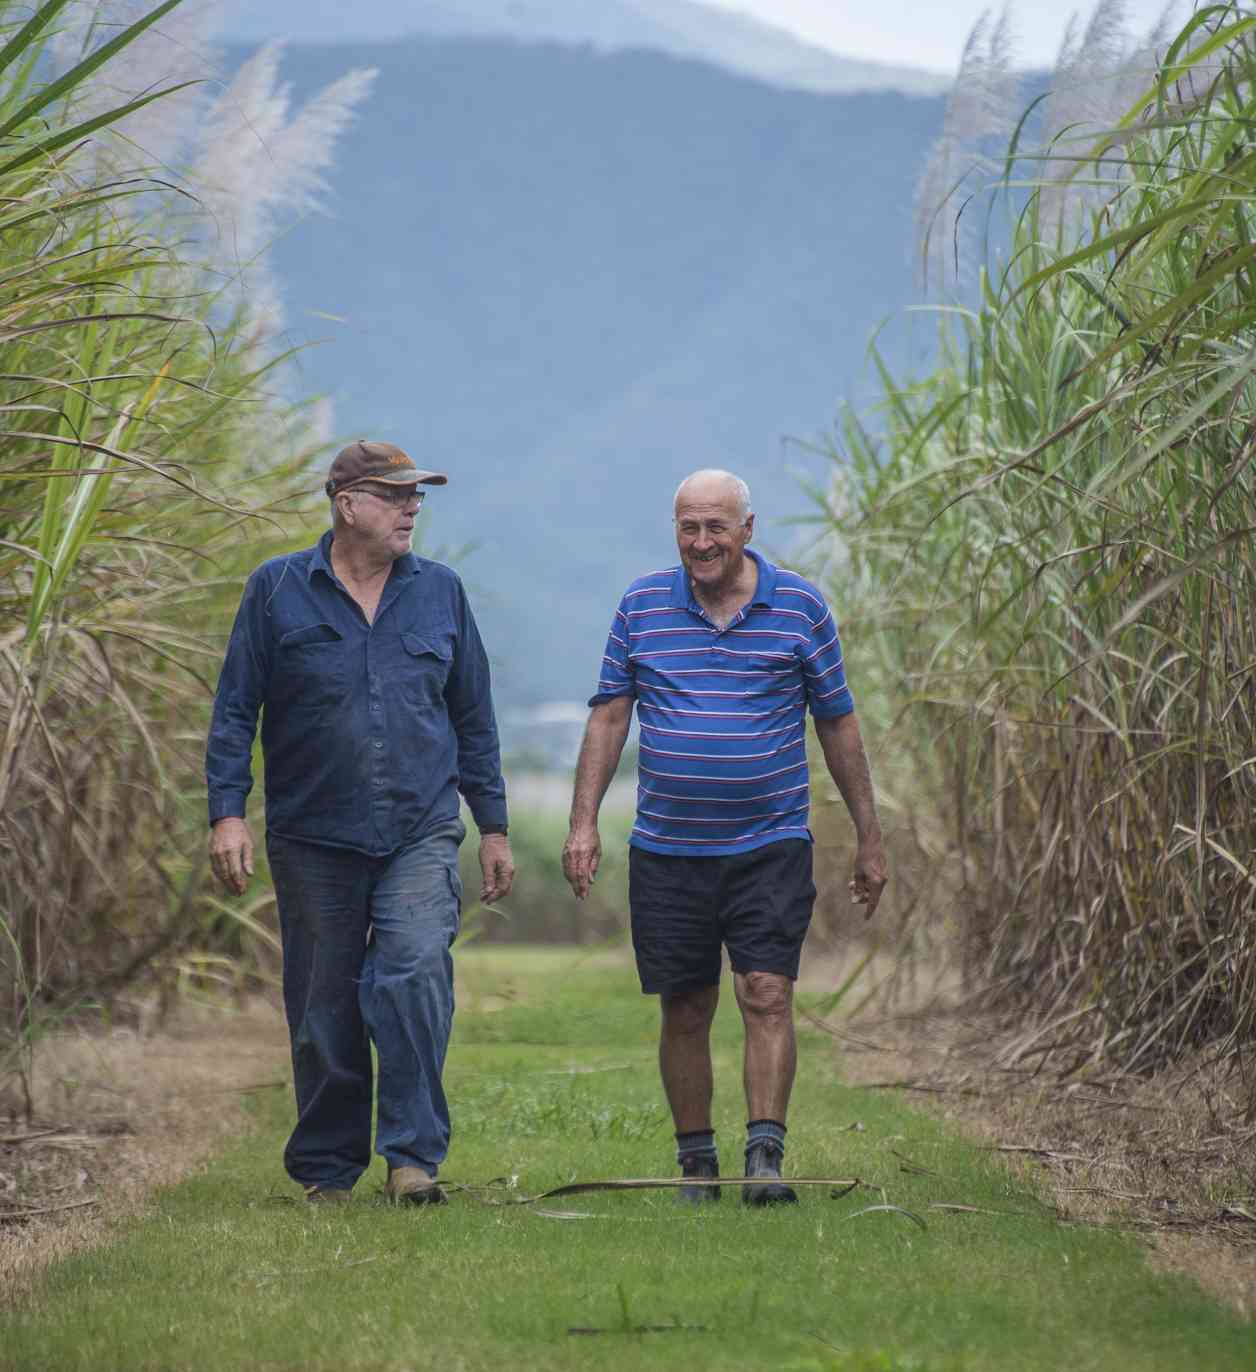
[178,48]
[978,122]
[253,164]
[1098,75]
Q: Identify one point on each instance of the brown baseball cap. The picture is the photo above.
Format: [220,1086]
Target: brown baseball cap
[365,460]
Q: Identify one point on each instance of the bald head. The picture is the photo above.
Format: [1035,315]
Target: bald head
[713,525]
[714,486]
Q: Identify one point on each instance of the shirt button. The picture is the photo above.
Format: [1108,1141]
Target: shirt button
[379,781]
[379,742]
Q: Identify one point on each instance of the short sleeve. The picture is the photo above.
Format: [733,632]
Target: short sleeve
[824,677]
[615,677]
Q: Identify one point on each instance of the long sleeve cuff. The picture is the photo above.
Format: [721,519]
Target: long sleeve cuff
[490,810]
[227,805]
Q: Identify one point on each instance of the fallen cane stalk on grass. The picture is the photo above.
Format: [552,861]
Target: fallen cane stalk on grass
[11,1139]
[1050,1154]
[888,1210]
[1103,1191]
[15,1216]
[840,1034]
[842,1186]
[913,1168]
[641,1329]
[949,1208]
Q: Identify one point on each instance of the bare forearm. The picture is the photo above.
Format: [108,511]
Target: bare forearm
[847,762]
[604,738]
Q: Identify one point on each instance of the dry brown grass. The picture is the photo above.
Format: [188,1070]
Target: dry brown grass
[132,1113]
[1168,1157]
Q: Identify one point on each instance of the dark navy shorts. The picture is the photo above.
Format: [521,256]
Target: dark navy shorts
[756,904]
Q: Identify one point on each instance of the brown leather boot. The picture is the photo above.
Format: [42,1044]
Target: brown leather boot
[412,1186]
[327,1195]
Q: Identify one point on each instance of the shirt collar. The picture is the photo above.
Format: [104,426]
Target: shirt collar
[320,557]
[764,591]
[320,561]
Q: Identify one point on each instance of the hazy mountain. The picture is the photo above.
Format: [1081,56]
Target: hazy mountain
[678,28]
[570,279]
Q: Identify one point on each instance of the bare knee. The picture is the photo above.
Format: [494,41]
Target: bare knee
[766,996]
[690,1012]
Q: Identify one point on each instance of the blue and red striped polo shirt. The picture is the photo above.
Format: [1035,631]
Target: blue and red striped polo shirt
[723,766]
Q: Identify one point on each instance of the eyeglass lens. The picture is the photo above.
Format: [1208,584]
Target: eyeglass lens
[396,495]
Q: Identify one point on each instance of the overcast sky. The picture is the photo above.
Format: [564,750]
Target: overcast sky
[931,33]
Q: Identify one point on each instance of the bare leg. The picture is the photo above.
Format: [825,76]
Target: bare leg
[767,1011]
[685,1056]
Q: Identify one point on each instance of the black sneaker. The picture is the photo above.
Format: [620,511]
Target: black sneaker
[763,1159]
[699,1165]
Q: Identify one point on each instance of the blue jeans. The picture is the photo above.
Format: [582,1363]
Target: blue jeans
[366,957]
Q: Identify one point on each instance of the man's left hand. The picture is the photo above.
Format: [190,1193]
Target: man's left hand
[870,876]
[497,865]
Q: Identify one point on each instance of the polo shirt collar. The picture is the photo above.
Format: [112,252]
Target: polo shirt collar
[765,588]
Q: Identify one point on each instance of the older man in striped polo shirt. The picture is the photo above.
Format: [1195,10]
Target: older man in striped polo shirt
[723,656]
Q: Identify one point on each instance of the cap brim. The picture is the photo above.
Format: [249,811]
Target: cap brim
[402,476]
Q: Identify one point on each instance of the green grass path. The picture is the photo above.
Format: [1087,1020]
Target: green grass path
[553,1077]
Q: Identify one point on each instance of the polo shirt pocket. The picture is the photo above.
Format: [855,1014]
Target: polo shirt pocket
[311,668]
[762,662]
[426,661]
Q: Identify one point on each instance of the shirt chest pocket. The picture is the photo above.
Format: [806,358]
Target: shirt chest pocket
[425,661]
[758,664]
[311,669]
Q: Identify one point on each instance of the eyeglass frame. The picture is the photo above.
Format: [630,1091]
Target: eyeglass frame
[397,496]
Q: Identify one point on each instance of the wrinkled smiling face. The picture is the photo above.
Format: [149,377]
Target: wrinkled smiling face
[711,536]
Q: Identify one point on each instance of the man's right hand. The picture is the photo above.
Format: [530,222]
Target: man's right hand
[582,854]
[231,854]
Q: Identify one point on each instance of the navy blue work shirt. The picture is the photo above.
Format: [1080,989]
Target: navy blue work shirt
[369,731]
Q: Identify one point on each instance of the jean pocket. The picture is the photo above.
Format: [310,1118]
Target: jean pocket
[455,888]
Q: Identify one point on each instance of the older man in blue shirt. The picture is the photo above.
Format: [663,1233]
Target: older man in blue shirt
[723,656]
[367,669]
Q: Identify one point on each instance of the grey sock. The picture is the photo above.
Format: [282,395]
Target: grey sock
[764,1131]
[699,1143]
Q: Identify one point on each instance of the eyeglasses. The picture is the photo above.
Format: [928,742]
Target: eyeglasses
[394,495]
